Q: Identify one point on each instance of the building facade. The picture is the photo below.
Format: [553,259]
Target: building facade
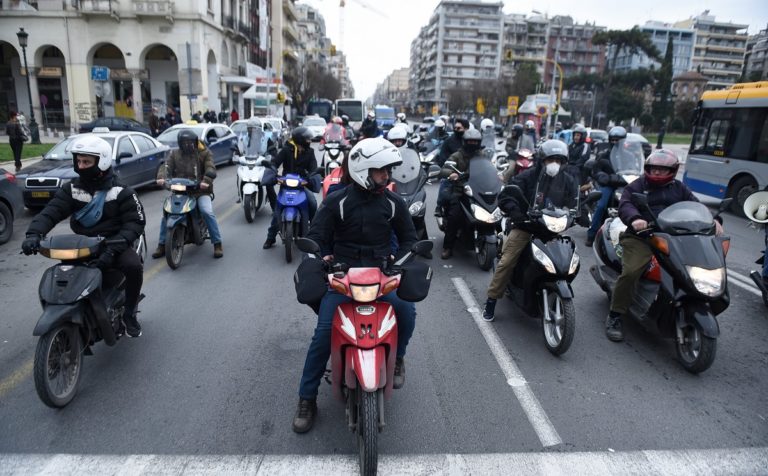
[688,86]
[756,57]
[719,50]
[524,37]
[571,45]
[683,40]
[394,90]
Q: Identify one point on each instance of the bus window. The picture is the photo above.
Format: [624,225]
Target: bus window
[762,144]
[742,140]
[718,129]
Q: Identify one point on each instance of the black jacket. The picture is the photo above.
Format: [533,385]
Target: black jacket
[293,162]
[561,190]
[578,154]
[450,146]
[356,226]
[123,214]
[659,198]
[603,171]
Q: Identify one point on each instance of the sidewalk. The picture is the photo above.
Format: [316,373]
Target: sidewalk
[44,139]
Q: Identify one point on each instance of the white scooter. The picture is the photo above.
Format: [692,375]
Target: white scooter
[254,161]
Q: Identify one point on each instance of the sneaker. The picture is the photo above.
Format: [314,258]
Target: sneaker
[613,328]
[132,326]
[159,251]
[399,379]
[305,415]
[218,250]
[490,309]
[269,243]
[447,253]
[589,242]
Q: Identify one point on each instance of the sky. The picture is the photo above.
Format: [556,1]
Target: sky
[378,34]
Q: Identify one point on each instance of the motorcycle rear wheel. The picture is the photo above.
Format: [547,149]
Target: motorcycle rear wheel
[174,250]
[486,255]
[288,240]
[249,207]
[697,352]
[58,365]
[558,324]
[367,431]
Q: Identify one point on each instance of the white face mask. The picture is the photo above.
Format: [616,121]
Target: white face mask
[552,169]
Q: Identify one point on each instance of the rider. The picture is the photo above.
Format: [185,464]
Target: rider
[471,148]
[355,227]
[514,139]
[193,161]
[606,178]
[99,205]
[296,157]
[402,119]
[268,147]
[661,187]
[529,136]
[578,153]
[398,135]
[349,130]
[370,128]
[449,147]
[554,186]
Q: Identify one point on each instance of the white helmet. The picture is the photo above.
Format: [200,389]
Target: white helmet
[373,153]
[439,123]
[397,132]
[253,122]
[529,124]
[95,146]
[401,116]
[485,124]
[445,118]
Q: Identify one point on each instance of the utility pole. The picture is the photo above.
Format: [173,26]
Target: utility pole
[594,98]
[552,91]
[189,77]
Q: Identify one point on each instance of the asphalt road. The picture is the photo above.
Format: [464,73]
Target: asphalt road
[215,376]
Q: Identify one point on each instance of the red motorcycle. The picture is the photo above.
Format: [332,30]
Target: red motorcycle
[364,337]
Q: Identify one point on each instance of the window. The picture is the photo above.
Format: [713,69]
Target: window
[145,145]
[736,133]
[124,146]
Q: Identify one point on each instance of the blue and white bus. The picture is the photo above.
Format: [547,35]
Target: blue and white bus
[728,156]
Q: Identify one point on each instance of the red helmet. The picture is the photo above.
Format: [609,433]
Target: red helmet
[661,159]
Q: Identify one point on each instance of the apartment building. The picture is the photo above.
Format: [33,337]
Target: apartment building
[524,37]
[683,40]
[393,91]
[571,45]
[756,57]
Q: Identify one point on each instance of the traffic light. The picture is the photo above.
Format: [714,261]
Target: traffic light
[333,50]
[508,55]
[280,96]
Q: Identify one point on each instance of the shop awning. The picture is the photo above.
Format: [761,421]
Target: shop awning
[240,80]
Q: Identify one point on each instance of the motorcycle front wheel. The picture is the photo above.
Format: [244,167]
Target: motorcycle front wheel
[174,249]
[697,351]
[558,322]
[288,240]
[368,431]
[58,365]
[486,255]
[249,207]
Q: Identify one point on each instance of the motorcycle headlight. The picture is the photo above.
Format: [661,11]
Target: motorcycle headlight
[482,215]
[542,258]
[177,187]
[555,224]
[293,183]
[416,207]
[467,190]
[366,293]
[709,282]
[574,263]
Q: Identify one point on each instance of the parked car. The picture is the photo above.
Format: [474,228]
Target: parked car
[11,204]
[596,137]
[315,124]
[115,124]
[240,128]
[219,138]
[137,158]
[280,128]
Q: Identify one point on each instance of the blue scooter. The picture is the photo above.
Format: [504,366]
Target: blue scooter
[294,215]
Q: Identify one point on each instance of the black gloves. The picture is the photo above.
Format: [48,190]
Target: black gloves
[104,261]
[31,244]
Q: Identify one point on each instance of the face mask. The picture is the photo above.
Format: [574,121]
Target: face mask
[552,169]
[471,148]
[187,147]
[458,134]
[89,174]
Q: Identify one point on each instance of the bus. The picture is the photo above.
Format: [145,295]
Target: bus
[728,156]
[353,108]
[385,116]
[321,107]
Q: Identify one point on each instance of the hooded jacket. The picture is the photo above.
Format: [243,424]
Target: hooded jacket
[200,168]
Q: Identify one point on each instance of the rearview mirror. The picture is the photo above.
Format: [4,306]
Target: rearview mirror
[593,197]
[316,139]
[724,205]
[307,246]
[422,248]
[434,171]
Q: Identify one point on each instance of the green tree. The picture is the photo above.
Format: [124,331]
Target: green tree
[623,104]
[646,120]
[632,41]
[663,105]
[684,112]
[525,81]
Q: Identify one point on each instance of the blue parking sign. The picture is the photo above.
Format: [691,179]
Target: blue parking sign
[99,73]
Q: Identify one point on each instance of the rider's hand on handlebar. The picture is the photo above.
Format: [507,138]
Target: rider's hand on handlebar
[328,258]
[454,176]
[204,185]
[639,224]
[31,244]
[718,228]
[161,182]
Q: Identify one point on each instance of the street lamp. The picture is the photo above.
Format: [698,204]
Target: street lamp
[34,131]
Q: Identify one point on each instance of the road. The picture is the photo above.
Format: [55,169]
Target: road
[212,384]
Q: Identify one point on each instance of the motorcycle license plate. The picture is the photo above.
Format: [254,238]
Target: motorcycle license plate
[41,194]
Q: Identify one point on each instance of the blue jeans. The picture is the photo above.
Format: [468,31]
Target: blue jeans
[320,348]
[597,215]
[442,192]
[278,211]
[205,205]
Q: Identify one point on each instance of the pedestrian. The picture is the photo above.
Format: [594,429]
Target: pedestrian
[197,117]
[662,131]
[154,123]
[163,125]
[172,117]
[234,116]
[16,138]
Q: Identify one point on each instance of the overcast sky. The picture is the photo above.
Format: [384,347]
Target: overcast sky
[378,39]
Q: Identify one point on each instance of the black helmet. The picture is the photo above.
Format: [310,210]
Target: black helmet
[578,128]
[187,141]
[616,134]
[302,136]
[517,130]
[553,149]
[472,140]
[345,119]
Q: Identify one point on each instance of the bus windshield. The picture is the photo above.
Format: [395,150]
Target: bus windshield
[352,108]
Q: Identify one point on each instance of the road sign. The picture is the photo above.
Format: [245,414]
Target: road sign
[512,102]
[99,73]
[542,110]
[503,112]
[193,97]
[434,110]
[480,106]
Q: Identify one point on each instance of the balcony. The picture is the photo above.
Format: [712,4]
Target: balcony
[153,9]
[244,30]
[290,9]
[98,8]
[290,31]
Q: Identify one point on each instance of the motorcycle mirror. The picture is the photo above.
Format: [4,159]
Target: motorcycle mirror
[724,205]
[422,248]
[434,171]
[593,197]
[519,195]
[316,139]
[307,246]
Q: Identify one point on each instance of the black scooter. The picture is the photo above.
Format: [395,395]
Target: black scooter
[482,216]
[184,223]
[541,280]
[685,285]
[409,179]
[81,306]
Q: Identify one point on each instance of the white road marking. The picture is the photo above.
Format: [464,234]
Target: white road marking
[744,283]
[667,462]
[515,379]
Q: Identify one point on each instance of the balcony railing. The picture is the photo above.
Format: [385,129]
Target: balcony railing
[99,7]
[153,8]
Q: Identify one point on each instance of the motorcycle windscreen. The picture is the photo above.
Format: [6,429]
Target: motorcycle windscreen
[488,140]
[256,143]
[685,218]
[627,158]
[334,133]
[484,181]
[406,175]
